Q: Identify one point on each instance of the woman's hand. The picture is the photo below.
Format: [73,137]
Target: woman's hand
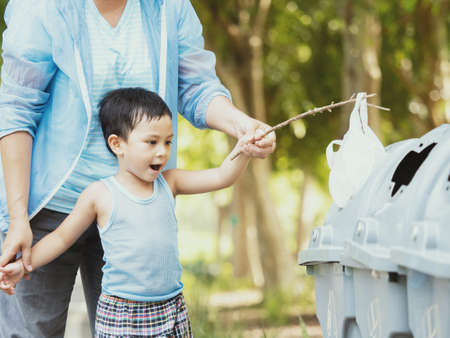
[224,116]
[18,240]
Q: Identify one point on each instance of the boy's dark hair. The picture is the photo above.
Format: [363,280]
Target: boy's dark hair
[122,109]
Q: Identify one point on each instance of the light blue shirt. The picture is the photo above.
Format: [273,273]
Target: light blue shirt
[140,244]
[47,81]
[119,59]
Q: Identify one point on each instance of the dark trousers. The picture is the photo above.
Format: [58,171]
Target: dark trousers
[39,307]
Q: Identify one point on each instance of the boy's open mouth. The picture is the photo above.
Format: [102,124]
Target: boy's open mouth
[155,166]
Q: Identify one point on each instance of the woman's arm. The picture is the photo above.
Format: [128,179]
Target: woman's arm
[200,181]
[224,116]
[198,83]
[26,72]
[203,100]
[16,171]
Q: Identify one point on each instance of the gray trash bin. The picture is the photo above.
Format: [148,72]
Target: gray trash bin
[425,251]
[326,260]
[333,281]
[360,292]
[380,287]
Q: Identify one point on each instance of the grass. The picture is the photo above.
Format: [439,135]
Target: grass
[303,326]
[202,279]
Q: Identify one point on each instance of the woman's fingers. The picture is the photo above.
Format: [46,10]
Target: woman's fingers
[7,256]
[261,148]
[266,141]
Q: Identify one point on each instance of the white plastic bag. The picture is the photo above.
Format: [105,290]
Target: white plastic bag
[359,152]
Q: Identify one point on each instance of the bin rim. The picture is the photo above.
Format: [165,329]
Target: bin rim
[314,256]
[372,257]
[435,263]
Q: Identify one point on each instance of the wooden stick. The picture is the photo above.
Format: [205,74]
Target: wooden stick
[315,111]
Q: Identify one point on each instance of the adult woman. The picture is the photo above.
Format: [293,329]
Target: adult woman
[60,57]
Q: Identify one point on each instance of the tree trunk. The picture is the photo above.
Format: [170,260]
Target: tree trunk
[248,210]
[224,215]
[361,43]
[301,221]
[429,79]
[241,267]
[436,95]
[243,73]
[243,254]
[276,260]
[278,265]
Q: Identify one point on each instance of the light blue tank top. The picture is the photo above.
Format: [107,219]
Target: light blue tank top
[140,243]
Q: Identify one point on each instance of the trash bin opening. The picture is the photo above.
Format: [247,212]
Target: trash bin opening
[393,277]
[408,167]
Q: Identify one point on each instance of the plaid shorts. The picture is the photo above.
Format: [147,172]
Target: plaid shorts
[118,317]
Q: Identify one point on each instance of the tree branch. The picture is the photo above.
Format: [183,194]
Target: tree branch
[261,17]
[315,111]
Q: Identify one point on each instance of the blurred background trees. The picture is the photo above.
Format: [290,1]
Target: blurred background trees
[280,58]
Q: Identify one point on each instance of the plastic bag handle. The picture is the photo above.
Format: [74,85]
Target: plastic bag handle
[330,152]
[358,117]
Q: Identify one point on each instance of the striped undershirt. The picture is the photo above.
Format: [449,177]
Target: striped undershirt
[120,58]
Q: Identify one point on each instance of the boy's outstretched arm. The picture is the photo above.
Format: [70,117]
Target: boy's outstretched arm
[200,181]
[59,240]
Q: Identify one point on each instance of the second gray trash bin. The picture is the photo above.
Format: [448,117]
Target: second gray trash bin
[425,254]
[381,286]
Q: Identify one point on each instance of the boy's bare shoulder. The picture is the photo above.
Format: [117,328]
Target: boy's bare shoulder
[96,188]
[168,174]
[95,192]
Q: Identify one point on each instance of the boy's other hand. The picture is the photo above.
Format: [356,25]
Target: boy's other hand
[10,275]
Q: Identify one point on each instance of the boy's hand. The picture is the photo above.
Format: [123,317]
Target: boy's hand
[243,145]
[258,146]
[10,275]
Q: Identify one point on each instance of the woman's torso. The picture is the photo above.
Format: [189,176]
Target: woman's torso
[120,58]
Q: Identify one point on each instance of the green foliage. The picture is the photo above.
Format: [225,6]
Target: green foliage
[303,326]
[202,316]
[408,5]
[200,149]
[213,276]
[3,4]
[276,304]
[202,279]
[303,68]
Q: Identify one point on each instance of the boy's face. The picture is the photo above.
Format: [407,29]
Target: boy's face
[147,149]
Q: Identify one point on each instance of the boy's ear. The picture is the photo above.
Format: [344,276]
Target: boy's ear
[116,144]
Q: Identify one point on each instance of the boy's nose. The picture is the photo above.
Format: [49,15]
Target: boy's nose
[161,151]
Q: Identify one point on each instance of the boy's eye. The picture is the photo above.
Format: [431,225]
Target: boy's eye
[169,142]
[152,142]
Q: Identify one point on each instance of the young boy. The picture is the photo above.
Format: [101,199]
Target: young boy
[134,211]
